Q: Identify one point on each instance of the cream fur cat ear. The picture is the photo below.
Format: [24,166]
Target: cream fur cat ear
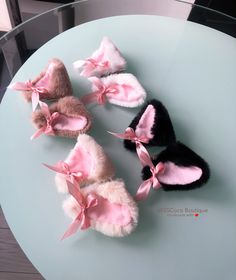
[86,163]
[110,209]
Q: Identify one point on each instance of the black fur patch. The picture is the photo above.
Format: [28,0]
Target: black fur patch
[162,128]
[180,155]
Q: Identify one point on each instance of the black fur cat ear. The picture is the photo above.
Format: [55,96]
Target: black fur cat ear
[152,122]
[183,168]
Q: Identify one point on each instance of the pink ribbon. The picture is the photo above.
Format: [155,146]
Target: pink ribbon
[50,119]
[82,221]
[130,134]
[28,86]
[99,95]
[145,187]
[90,64]
[145,159]
[63,168]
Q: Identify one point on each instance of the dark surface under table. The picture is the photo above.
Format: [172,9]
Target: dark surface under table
[14,265]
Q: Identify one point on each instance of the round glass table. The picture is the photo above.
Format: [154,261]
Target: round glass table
[191,69]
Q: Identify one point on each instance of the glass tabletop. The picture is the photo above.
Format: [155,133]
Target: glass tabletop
[187,66]
[18,44]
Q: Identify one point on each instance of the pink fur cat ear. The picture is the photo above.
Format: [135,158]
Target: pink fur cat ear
[86,163]
[105,207]
[119,89]
[67,117]
[106,60]
[52,83]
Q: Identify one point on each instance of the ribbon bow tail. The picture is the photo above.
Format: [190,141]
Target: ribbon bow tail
[35,100]
[143,190]
[74,226]
[38,133]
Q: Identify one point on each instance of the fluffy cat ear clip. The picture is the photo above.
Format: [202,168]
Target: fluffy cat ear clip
[119,89]
[151,127]
[67,117]
[52,83]
[105,207]
[175,168]
[86,163]
[106,60]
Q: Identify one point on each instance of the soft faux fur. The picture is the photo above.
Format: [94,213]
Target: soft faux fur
[180,155]
[162,129]
[101,169]
[68,106]
[55,79]
[114,192]
[106,54]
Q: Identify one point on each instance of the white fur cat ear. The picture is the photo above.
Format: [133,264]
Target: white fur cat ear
[119,89]
[106,60]
[105,207]
[86,163]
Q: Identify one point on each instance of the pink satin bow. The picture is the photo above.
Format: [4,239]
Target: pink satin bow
[145,160]
[99,95]
[90,64]
[63,168]
[50,120]
[82,221]
[130,134]
[28,86]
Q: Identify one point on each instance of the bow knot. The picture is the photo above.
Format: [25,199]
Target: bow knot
[89,202]
[96,63]
[103,91]
[28,86]
[50,120]
[145,160]
[64,168]
[130,134]
[82,220]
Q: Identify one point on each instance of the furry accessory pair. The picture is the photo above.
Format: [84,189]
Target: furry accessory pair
[119,89]
[175,168]
[52,83]
[103,203]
